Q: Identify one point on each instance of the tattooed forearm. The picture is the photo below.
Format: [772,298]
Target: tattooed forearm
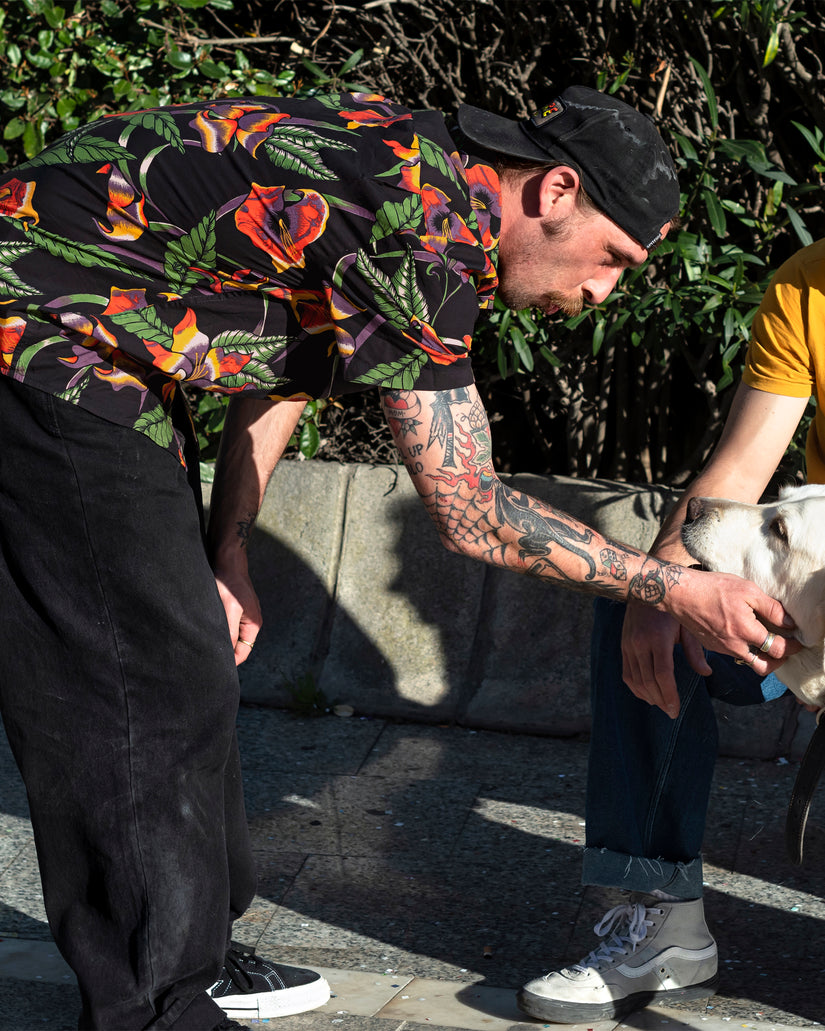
[444,440]
[245,527]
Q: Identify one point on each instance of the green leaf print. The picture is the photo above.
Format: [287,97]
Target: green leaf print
[383,290]
[156,425]
[396,216]
[10,283]
[81,150]
[240,340]
[196,248]
[255,372]
[408,289]
[432,154]
[145,323]
[162,124]
[400,375]
[83,254]
[296,150]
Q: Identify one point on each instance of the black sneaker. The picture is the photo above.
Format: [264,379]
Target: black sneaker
[251,987]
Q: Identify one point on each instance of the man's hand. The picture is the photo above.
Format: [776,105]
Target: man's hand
[243,611]
[648,640]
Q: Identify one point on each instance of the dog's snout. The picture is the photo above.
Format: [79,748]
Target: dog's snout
[695,509]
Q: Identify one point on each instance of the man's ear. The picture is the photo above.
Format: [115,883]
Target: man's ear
[559,191]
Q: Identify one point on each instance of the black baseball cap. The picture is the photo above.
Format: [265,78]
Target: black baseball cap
[623,162]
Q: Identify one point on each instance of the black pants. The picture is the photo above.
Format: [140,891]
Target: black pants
[119,695]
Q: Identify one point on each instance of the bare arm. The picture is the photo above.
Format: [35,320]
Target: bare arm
[444,439]
[255,434]
[757,432]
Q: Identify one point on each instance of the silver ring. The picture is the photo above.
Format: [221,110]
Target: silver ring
[766,644]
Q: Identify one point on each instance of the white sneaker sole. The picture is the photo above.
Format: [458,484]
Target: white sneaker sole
[561,1011]
[281,1003]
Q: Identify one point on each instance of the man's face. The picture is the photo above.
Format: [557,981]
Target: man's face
[564,263]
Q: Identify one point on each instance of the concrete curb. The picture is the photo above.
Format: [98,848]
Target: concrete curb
[364,607]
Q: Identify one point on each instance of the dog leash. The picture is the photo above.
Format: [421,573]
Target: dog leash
[807,778]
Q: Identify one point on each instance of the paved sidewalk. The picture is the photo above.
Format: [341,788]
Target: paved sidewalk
[429,871]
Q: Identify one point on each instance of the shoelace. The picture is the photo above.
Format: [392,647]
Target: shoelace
[233,966]
[626,925]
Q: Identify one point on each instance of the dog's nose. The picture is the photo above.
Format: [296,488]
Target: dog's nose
[694,509]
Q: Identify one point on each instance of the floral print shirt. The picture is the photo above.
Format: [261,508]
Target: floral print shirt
[273,247]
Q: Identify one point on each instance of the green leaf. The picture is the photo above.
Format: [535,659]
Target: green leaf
[522,348]
[772,48]
[146,324]
[196,248]
[162,124]
[400,375]
[432,154]
[81,148]
[408,289]
[802,233]
[383,291]
[241,340]
[351,62]
[310,440]
[86,255]
[157,425]
[716,213]
[10,283]
[710,95]
[396,216]
[296,150]
[813,138]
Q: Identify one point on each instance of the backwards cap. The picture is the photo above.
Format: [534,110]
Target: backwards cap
[622,160]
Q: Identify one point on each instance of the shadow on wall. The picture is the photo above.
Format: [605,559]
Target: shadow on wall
[364,606]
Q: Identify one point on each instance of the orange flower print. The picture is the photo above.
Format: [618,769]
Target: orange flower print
[428,340]
[125,208]
[283,222]
[443,224]
[221,123]
[311,310]
[16,200]
[191,357]
[124,300]
[11,330]
[369,117]
[411,172]
[485,198]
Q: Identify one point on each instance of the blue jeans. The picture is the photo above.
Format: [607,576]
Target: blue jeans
[649,776]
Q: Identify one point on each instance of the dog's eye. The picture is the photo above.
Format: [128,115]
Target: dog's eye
[779,530]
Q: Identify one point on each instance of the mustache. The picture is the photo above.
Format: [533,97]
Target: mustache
[568,305]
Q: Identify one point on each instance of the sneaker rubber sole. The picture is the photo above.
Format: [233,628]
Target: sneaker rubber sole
[561,1011]
[282,1003]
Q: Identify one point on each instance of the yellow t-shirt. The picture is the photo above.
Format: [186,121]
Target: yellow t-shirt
[787,348]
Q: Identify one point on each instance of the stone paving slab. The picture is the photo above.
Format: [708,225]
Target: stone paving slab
[477,890]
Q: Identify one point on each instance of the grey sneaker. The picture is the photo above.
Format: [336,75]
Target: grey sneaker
[657,952]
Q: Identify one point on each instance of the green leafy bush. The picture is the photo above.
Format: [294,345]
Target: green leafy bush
[636,389]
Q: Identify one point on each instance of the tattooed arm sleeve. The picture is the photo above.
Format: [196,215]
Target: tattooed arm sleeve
[444,440]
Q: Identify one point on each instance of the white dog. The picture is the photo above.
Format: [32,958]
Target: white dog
[781,548]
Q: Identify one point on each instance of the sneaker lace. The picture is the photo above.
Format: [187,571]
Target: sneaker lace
[234,966]
[626,925]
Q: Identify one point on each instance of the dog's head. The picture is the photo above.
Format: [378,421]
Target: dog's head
[780,546]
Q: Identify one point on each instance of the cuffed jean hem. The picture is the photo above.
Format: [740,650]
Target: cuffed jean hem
[608,869]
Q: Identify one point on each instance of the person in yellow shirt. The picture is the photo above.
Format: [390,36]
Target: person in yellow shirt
[654,737]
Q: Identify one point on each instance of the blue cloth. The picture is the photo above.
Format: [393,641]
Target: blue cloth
[649,776]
